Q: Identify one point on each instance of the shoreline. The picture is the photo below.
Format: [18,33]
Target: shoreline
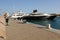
[54,30]
[41,26]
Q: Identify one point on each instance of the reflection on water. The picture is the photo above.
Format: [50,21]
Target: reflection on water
[54,23]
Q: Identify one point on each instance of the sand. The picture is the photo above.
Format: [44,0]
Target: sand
[19,31]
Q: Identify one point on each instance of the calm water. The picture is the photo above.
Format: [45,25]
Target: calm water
[54,23]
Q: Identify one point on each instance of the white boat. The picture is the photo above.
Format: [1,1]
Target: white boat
[33,16]
[39,16]
[19,14]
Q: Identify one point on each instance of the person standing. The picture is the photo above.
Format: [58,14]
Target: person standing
[6,16]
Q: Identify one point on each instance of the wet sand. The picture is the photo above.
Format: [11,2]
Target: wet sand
[18,31]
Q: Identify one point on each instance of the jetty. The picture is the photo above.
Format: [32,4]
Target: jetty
[24,31]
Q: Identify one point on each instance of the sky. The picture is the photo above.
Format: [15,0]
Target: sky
[45,6]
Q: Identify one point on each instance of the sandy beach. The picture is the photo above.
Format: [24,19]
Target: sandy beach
[19,31]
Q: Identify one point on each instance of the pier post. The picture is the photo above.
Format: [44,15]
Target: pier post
[21,21]
[49,26]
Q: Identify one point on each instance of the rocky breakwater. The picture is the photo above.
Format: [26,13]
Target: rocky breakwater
[2,28]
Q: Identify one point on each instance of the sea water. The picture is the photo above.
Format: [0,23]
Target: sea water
[54,23]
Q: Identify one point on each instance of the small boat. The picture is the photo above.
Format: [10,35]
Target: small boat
[17,15]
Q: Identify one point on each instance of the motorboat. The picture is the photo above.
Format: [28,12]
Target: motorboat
[38,16]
